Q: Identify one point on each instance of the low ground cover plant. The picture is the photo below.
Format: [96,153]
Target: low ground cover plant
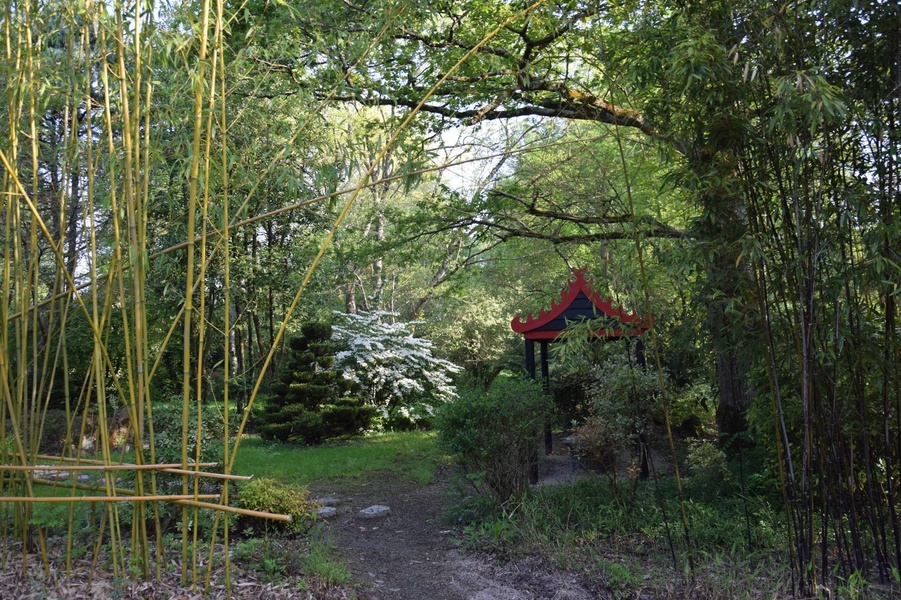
[265,494]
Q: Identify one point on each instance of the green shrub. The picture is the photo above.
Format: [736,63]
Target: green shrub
[622,402]
[167,436]
[708,472]
[167,431]
[53,435]
[272,496]
[600,442]
[309,402]
[493,435]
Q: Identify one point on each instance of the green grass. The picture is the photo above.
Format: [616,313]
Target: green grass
[321,565]
[413,455]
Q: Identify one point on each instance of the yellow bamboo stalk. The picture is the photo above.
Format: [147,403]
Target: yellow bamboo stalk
[189,501]
[235,510]
[115,539]
[109,499]
[33,273]
[226,327]
[223,476]
[14,394]
[201,276]
[199,83]
[123,465]
[106,467]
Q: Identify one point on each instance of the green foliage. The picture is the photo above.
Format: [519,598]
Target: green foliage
[208,436]
[274,558]
[493,435]
[265,554]
[321,565]
[309,402]
[708,472]
[167,433]
[587,526]
[270,495]
[600,442]
[54,432]
[621,399]
[476,333]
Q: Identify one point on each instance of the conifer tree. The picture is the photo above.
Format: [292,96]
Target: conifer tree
[310,402]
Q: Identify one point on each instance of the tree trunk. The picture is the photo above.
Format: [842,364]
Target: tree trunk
[734,400]
[726,290]
[350,296]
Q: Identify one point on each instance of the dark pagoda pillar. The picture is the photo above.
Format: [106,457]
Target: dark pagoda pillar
[530,358]
[546,387]
[530,369]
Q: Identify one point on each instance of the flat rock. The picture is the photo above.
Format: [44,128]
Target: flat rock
[327,512]
[326,501]
[375,511]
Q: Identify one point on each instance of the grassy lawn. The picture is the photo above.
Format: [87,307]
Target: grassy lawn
[414,455]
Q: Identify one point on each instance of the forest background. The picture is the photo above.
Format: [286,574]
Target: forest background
[183,183]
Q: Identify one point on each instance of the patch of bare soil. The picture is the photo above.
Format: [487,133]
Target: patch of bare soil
[409,554]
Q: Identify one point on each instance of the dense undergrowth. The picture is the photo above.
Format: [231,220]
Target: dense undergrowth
[633,539]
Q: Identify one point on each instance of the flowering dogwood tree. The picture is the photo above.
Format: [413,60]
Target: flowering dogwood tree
[394,370]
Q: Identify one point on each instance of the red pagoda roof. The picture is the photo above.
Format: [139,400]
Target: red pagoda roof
[577,303]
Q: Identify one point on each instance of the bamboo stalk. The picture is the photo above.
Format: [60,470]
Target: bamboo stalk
[226,328]
[121,464]
[235,510]
[193,183]
[222,476]
[110,499]
[109,467]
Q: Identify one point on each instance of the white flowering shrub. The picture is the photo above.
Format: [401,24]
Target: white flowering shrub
[395,371]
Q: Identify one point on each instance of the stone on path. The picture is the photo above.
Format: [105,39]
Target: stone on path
[327,512]
[375,511]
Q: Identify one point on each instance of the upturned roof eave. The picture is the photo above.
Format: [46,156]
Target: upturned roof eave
[528,326]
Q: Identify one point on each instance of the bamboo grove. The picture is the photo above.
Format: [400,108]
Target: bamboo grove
[134,188]
[84,124]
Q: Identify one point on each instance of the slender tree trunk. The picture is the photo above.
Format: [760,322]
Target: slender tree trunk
[350,295]
[378,265]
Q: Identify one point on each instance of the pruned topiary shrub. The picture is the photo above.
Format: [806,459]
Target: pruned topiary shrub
[493,435]
[309,401]
[272,496]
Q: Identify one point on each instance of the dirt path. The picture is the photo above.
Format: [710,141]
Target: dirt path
[408,554]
